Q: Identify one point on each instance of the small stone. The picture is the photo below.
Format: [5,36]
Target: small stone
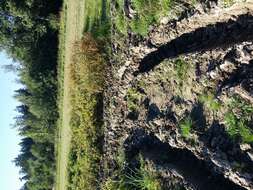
[245,147]
[213,75]
[249,48]
[227,66]
[158,122]
[164,20]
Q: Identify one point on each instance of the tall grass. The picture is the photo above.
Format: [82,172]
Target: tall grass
[238,120]
[87,77]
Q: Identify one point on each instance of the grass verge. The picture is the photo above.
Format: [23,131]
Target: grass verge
[86,117]
[60,79]
[87,83]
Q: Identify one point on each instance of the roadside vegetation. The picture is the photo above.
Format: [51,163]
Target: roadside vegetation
[87,84]
[86,116]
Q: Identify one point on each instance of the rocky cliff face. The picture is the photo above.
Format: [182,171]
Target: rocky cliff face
[183,95]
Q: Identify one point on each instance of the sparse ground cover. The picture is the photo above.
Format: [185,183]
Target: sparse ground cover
[140,15]
[179,78]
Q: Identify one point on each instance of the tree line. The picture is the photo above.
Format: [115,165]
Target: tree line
[29,35]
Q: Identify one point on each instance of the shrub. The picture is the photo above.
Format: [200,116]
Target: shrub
[88,65]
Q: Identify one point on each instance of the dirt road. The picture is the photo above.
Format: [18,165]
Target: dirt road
[74,29]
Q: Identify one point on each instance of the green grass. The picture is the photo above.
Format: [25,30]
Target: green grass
[186,127]
[121,22]
[96,18]
[147,13]
[237,120]
[61,56]
[242,106]
[141,178]
[238,128]
[60,87]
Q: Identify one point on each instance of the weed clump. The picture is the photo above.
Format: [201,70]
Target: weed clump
[237,120]
[228,3]
[186,127]
[141,178]
[181,68]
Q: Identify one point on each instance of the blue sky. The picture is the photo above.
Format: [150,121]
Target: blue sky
[9,139]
